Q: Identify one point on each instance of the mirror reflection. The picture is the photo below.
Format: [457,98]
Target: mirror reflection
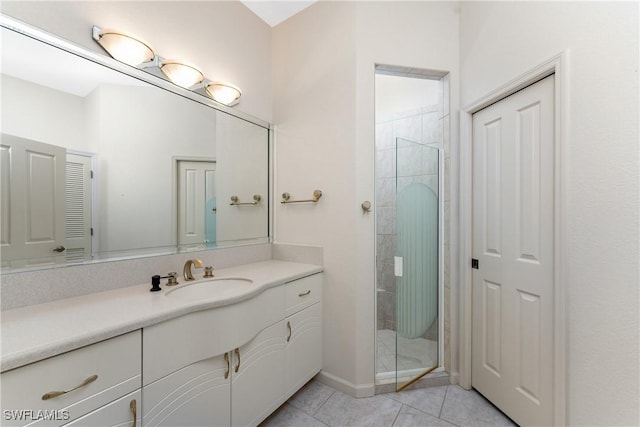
[97,164]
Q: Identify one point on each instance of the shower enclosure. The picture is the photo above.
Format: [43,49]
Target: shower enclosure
[408,237]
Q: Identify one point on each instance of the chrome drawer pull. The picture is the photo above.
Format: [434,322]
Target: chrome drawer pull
[53,394]
[134,410]
[304,294]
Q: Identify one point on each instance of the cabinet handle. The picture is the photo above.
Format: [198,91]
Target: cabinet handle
[237,351]
[289,327]
[226,359]
[304,294]
[53,394]
[134,411]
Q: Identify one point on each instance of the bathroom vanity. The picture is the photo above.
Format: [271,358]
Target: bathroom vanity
[228,356]
[216,351]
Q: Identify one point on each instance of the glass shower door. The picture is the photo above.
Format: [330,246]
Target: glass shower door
[417,260]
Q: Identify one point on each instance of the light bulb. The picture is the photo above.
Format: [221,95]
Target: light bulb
[182,74]
[125,48]
[224,93]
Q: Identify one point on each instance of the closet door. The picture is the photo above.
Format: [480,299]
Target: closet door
[513,325]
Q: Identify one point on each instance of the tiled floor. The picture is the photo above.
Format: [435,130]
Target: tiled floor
[317,405]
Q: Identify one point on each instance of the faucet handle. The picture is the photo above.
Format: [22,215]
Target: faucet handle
[173,278]
[208,271]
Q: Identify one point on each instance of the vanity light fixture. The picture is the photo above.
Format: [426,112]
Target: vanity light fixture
[124,47]
[182,74]
[133,51]
[224,93]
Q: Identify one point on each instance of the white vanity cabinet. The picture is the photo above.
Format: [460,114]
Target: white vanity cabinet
[303,348]
[66,387]
[233,365]
[196,366]
[239,387]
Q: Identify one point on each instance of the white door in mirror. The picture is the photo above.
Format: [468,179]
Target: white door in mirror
[33,175]
[196,202]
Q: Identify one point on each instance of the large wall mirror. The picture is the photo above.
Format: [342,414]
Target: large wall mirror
[100,162]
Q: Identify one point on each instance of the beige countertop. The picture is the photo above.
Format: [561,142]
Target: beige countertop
[33,333]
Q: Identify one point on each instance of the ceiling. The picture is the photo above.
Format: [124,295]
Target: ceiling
[274,12]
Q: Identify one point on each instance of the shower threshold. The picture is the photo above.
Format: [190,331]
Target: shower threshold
[386,381]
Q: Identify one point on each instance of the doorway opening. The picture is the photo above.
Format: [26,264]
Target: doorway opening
[411,115]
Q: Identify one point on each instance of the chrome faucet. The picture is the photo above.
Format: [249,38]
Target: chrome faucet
[188,274]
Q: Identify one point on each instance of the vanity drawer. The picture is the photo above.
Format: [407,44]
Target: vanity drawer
[116,362]
[302,293]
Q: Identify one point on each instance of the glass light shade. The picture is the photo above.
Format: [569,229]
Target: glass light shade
[224,93]
[125,47]
[182,74]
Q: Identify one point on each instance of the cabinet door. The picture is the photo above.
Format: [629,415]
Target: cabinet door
[196,395]
[303,350]
[124,412]
[257,386]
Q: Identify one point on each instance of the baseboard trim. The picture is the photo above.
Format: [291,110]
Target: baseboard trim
[353,390]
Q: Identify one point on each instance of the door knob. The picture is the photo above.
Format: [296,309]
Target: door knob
[366,206]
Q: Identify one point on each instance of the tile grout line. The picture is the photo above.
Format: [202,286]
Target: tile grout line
[323,403]
[443,400]
[420,410]
[313,414]
[442,407]
[397,415]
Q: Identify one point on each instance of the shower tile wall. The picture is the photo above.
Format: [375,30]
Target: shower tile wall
[423,125]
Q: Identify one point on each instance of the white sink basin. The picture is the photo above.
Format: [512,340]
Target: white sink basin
[221,288]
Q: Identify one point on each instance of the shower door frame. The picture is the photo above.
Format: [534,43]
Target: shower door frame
[382,378]
[440,294]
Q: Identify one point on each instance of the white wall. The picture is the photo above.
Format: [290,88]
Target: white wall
[42,114]
[314,114]
[224,38]
[323,68]
[498,42]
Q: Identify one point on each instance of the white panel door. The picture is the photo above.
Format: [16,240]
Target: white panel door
[196,202]
[513,175]
[33,202]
